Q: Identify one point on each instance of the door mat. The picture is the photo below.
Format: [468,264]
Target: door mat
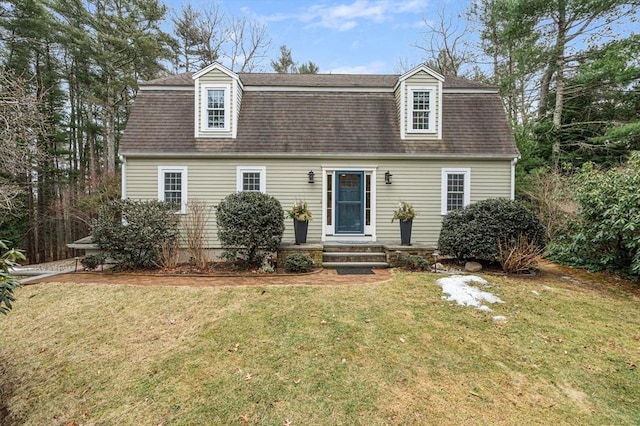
[354,271]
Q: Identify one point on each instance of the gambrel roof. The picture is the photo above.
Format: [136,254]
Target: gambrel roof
[316,115]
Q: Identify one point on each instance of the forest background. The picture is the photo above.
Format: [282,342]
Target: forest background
[70,69]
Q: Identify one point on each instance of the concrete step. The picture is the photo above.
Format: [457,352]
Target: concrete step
[336,265]
[353,257]
[353,248]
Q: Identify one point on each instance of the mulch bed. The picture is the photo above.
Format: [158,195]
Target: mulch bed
[318,277]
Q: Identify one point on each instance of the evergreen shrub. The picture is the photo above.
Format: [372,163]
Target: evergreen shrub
[250,226]
[476,231]
[132,232]
[415,263]
[298,262]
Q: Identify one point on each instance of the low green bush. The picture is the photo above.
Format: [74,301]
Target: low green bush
[415,263]
[476,231]
[298,262]
[92,261]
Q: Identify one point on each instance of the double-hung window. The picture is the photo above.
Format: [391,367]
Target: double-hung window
[422,109]
[172,186]
[456,191]
[215,108]
[251,178]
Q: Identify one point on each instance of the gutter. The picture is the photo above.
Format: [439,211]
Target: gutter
[513,177]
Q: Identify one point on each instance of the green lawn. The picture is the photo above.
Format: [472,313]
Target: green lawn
[390,353]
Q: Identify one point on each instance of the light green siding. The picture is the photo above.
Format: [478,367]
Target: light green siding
[415,181]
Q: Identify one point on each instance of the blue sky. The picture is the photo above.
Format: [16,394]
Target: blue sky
[342,36]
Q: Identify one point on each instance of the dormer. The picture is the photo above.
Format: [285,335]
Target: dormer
[419,100]
[218,92]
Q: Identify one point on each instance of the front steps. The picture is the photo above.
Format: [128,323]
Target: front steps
[340,255]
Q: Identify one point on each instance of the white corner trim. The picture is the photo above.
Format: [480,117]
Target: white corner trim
[403,110]
[262,170]
[183,193]
[439,118]
[443,187]
[235,110]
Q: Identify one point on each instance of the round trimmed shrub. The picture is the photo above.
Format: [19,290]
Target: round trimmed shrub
[298,262]
[250,226]
[476,231]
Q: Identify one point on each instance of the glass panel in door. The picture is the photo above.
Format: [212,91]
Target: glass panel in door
[349,203]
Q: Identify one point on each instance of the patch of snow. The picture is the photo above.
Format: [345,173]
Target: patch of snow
[459,291]
[535,292]
[499,318]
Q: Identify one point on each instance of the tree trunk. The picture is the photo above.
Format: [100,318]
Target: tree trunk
[559,65]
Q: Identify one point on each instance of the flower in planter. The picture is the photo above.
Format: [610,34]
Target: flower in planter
[404,212]
[300,212]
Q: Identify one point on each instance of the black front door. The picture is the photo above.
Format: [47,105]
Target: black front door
[349,203]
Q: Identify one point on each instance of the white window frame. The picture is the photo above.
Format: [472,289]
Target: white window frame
[467,186]
[183,190]
[432,109]
[241,170]
[204,118]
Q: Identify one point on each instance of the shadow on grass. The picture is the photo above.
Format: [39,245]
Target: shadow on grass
[6,391]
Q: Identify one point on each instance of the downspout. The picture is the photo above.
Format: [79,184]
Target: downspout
[513,177]
[123,177]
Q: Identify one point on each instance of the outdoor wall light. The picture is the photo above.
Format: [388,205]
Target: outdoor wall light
[311,176]
[387,178]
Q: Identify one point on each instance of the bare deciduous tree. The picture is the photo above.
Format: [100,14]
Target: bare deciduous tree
[248,44]
[210,35]
[193,226]
[445,45]
[21,125]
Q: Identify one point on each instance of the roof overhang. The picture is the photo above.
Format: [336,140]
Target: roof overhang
[456,90]
[421,68]
[215,66]
[333,155]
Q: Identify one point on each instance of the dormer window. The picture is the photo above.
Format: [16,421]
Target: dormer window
[215,108]
[422,108]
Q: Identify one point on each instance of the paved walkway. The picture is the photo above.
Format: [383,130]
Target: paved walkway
[321,277]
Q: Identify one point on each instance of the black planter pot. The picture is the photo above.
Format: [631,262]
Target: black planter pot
[405,232]
[300,228]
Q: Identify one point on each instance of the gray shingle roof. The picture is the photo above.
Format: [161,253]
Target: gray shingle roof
[315,123]
[315,80]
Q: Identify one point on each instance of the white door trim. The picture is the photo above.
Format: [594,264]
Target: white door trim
[328,231]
